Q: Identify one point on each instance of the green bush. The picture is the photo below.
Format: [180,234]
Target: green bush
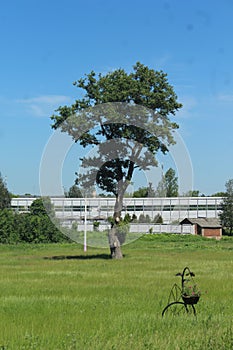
[33,227]
[96,225]
[158,219]
[144,219]
[9,225]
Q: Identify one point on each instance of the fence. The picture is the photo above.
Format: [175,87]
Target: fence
[146,228]
[162,228]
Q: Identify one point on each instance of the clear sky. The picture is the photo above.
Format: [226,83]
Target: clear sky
[47,45]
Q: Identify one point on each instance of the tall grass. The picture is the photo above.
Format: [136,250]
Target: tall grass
[58,297]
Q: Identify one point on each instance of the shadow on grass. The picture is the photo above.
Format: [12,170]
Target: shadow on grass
[78,257]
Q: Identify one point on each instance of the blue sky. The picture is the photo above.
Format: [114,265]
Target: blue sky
[47,45]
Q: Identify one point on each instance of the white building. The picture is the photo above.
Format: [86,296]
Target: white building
[171,209]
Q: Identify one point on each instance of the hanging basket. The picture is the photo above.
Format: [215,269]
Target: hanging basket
[190,299]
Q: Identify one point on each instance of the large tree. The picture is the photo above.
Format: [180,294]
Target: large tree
[126,117]
[226,214]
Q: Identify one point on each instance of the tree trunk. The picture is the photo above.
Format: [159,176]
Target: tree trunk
[115,246]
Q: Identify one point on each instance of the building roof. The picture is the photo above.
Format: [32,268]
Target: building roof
[202,222]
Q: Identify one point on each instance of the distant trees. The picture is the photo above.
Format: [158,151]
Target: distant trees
[42,206]
[141,192]
[171,183]
[168,185]
[32,227]
[219,194]
[5,196]
[74,192]
[77,192]
[144,192]
[161,188]
[226,215]
[192,193]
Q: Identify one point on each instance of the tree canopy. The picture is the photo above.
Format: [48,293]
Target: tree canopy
[128,137]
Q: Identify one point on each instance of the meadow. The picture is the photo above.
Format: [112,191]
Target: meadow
[56,296]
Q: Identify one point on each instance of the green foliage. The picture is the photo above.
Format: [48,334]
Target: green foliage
[158,219]
[190,289]
[151,190]
[42,206]
[5,197]
[168,186]
[137,133]
[171,183]
[9,224]
[219,194]
[144,219]
[77,192]
[127,218]
[226,215]
[111,220]
[96,225]
[74,192]
[192,193]
[141,192]
[33,227]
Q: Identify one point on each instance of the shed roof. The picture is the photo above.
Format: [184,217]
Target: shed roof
[202,222]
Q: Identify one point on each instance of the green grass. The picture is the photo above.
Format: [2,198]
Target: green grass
[58,297]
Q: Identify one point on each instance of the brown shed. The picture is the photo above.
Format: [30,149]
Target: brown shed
[206,227]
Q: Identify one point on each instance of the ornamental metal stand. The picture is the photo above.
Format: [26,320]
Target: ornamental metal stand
[184,298]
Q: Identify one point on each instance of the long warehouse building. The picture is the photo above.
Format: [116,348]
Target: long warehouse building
[171,209]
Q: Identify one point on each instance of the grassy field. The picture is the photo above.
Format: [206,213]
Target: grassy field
[58,297]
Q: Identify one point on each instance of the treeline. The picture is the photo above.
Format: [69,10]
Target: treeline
[32,227]
[167,187]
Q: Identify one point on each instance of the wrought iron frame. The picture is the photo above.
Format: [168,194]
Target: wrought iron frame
[176,301]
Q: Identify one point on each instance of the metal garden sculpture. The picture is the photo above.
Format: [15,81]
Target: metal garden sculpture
[184,298]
